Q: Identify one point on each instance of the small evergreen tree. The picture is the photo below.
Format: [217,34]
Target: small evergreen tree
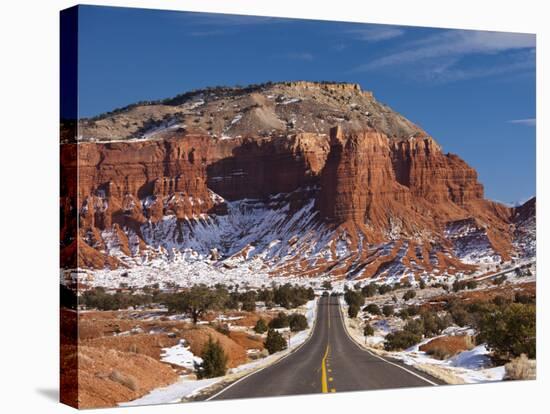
[409,294]
[280,321]
[368,330]
[327,285]
[274,342]
[373,309]
[297,322]
[353,310]
[260,326]
[369,290]
[214,361]
[387,310]
[249,306]
[382,289]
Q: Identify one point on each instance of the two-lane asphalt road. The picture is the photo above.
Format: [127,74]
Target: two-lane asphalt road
[329,361]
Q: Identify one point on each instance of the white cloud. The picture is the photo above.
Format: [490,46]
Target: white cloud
[526,121]
[453,43]
[449,69]
[436,57]
[377,33]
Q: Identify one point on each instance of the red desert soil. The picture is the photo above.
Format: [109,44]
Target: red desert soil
[197,338]
[113,369]
[107,377]
[145,344]
[247,341]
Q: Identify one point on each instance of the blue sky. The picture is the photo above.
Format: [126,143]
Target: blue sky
[473,91]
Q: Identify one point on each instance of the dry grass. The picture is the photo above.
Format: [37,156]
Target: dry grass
[247,341]
[446,346]
[521,368]
[127,380]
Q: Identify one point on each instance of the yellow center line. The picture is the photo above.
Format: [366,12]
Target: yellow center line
[324,383]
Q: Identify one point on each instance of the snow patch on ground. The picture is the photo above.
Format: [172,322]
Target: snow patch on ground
[180,355]
[185,387]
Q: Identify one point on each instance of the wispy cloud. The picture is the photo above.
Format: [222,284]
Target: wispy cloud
[526,121]
[377,33]
[454,44]
[440,56]
[225,20]
[450,70]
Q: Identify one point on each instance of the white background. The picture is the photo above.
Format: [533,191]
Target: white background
[29,210]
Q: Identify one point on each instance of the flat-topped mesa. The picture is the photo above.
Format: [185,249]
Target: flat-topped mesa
[325,158]
[329,86]
[253,111]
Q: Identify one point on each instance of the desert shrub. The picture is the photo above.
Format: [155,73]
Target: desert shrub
[422,284]
[369,290]
[353,310]
[408,311]
[413,310]
[414,326]
[403,314]
[464,284]
[433,323]
[274,342]
[249,306]
[460,314]
[327,285]
[499,280]
[383,289]
[197,300]
[232,301]
[401,340]
[510,331]
[297,322]
[260,326]
[126,380]
[409,294]
[387,310]
[523,298]
[290,296]
[471,284]
[354,297]
[520,368]
[501,300]
[373,309]
[214,361]
[368,330]
[280,321]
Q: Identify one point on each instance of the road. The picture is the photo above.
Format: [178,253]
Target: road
[329,361]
